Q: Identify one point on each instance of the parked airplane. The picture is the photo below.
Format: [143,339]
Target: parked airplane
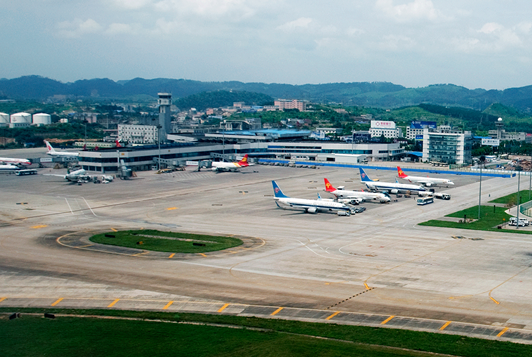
[309,206]
[220,166]
[80,175]
[53,152]
[9,167]
[392,187]
[425,181]
[355,196]
[10,160]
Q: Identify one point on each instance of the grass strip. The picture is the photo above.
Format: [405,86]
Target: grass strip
[132,338]
[512,198]
[155,240]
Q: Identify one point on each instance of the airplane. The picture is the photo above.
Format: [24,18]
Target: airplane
[220,166]
[9,167]
[80,175]
[53,152]
[425,181]
[10,160]
[355,196]
[309,206]
[387,186]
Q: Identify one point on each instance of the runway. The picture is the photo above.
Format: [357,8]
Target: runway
[317,262]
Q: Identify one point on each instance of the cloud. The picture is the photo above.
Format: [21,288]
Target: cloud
[301,23]
[396,43]
[494,37]
[78,27]
[413,11]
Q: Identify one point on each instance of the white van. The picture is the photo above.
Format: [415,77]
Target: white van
[522,222]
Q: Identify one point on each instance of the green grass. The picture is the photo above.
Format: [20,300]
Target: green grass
[131,239]
[490,218]
[66,336]
[512,198]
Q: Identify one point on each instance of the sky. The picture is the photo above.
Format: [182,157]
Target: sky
[472,43]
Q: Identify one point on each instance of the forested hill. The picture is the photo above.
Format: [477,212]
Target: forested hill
[375,94]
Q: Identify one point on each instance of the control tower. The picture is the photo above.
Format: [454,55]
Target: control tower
[165,104]
[499,125]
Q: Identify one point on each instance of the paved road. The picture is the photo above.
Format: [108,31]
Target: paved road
[378,262]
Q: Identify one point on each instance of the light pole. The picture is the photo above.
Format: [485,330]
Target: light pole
[479,192]
[518,198]
[159,144]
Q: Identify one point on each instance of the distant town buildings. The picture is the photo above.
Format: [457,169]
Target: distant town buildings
[501,134]
[291,104]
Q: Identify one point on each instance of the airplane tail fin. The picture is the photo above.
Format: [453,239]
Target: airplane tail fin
[401,173]
[328,186]
[118,144]
[244,161]
[277,191]
[364,176]
[49,147]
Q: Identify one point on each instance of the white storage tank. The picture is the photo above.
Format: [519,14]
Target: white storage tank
[42,119]
[20,120]
[4,119]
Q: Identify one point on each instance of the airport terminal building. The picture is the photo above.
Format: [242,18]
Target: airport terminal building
[141,158]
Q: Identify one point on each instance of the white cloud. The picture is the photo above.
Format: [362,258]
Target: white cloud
[416,10]
[396,43]
[301,23]
[78,27]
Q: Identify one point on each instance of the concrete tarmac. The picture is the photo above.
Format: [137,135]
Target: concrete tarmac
[379,262]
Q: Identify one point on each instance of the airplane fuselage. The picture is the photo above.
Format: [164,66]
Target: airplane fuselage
[311,206]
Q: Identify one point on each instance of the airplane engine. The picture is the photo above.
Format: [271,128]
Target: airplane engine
[312,210]
[394,191]
[428,184]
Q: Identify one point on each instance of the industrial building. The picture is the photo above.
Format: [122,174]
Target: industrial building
[415,130]
[20,120]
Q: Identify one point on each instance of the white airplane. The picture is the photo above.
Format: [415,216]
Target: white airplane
[10,160]
[425,181]
[9,167]
[53,152]
[355,196]
[80,175]
[309,206]
[220,166]
[392,187]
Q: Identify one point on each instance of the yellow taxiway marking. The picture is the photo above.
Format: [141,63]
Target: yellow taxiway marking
[142,253]
[85,246]
[167,305]
[2,299]
[333,315]
[40,226]
[114,230]
[171,256]
[171,208]
[366,285]
[113,303]
[495,301]
[502,332]
[276,311]
[203,255]
[387,320]
[445,325]
[223,308]
[57,301]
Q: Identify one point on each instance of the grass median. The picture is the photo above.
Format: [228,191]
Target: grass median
[491,218]
[80,336]
[160,241]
